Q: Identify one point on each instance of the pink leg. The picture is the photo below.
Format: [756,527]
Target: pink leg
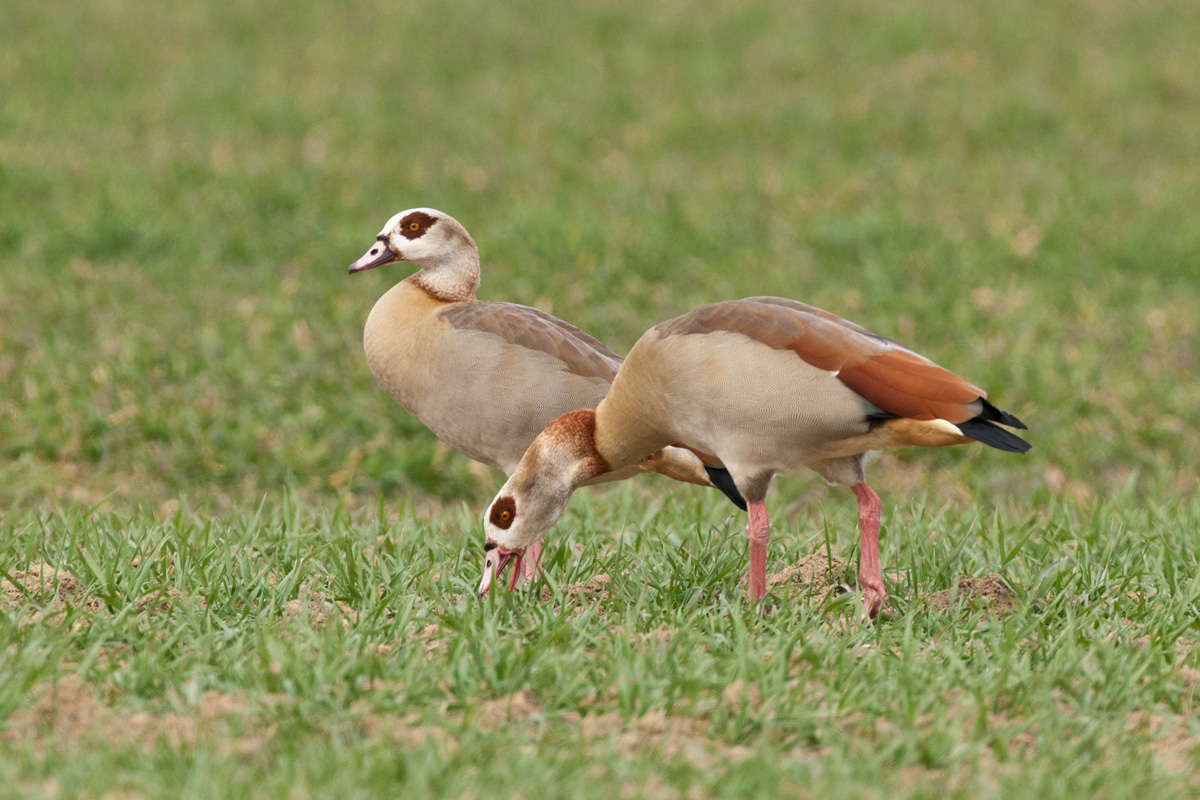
[870,577]
[758,530]
[531,563]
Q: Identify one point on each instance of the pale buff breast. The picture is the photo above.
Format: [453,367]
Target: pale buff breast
[480,394]
[395,340]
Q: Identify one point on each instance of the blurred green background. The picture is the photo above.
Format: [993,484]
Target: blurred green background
[1009,188]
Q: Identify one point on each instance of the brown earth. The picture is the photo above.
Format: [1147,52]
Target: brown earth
[47,586]
[1170,740]
[740,695]
[579,594]
[165,602]
[495,713]
[670,734]
[814,571]
[58,588]
[989,591]
[319,612]
[820,576]
[70,711]
[661,634]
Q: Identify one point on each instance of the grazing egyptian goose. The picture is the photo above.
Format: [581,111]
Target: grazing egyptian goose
[757,386]
[486,377]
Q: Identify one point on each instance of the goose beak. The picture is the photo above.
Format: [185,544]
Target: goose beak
[494,563]
[377,256]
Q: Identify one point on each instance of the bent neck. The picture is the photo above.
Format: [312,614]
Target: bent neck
[624,437]
[452,280]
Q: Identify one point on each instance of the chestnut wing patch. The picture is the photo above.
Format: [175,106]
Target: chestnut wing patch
[580,353]
[891,377]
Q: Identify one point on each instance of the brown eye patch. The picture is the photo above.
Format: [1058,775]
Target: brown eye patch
[504,511]
[414,225]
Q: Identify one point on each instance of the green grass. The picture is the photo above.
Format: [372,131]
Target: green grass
[1008,187]
[930,703]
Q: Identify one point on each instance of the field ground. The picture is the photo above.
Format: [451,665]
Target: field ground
[232,567]
[288,653]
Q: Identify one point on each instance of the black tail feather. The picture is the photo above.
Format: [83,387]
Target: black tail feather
[982,429]
[993,414]
[724,481]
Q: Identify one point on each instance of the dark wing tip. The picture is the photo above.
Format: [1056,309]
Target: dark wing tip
[993,414]
[984,430]
[724,481]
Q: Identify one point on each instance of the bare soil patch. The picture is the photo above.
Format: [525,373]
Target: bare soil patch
[670,735]
[1190,676]
[820,576]
[69,711]
[740,695]
[405,730]
[989,591]
[516,707]
[41,583]
[589,592]
[814,577]
[660,635]
[319,612]
[168,601]
[814,572]
[1171,743]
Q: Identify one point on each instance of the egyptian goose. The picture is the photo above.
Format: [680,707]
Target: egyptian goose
[759,386]
[486,377]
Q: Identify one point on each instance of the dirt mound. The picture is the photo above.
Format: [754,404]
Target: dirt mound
[660,635]
[68,710]
[319,612]
[165,602]
[815,570]
[989,591]
[518,706]
[670,735]
[591,591]
[44,584]
[488,715]
[1169,741]
[740,695]
[406,730]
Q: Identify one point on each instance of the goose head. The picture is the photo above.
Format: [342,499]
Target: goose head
[561,459]
[422,236]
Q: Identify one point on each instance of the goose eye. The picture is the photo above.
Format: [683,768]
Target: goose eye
[503,512]
[414,226]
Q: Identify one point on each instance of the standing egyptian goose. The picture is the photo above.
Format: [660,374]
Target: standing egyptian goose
[759,386]
[486,377]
